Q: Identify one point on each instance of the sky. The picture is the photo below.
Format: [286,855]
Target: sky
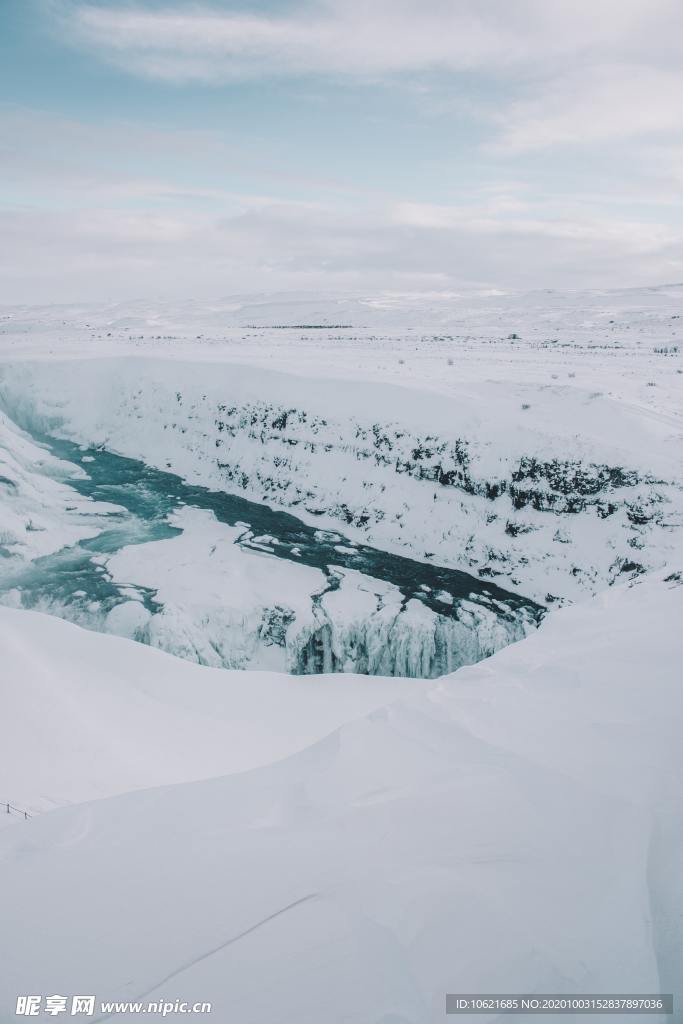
[162,149]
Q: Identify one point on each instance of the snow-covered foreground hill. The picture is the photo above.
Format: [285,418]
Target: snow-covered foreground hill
[516,826]
[90,715]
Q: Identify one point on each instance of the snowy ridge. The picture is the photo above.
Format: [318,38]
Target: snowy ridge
[533,797]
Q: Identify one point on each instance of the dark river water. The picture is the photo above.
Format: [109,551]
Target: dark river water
[149,496]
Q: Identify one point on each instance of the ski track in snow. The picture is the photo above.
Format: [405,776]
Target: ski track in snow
[212,952]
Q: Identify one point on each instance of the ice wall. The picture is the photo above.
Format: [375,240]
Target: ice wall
[224,605]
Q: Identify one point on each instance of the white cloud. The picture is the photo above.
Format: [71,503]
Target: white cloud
[354,37]
[106,254]
[58,157]
[598,231]
[597,105]
[566,72]
[112,209]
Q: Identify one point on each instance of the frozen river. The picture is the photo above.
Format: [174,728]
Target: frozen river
[412,604]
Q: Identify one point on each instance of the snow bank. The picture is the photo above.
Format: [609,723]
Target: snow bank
[39,512]
[513,827]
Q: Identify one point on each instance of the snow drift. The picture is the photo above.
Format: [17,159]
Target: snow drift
[88,715]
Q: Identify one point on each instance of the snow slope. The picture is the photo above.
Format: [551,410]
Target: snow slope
[88,715]
[515,826]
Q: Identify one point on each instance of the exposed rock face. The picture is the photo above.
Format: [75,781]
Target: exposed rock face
[638,504]
[561,486]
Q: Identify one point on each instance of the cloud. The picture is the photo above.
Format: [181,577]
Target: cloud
[580,106]
[57,158]
[597,105]
[109,254]
[561,73]
[118,210]
[596,232]
[357,38]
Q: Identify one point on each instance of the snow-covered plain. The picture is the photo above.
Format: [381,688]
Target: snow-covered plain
[339,847]
[513,827]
